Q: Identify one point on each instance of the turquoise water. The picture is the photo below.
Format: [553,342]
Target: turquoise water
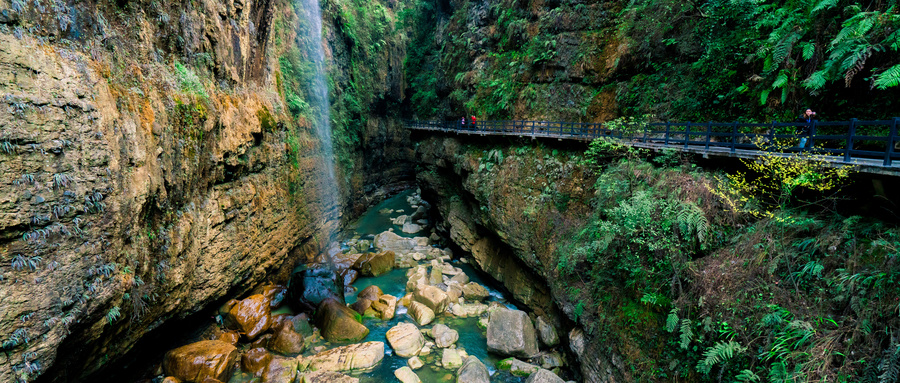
[471,337]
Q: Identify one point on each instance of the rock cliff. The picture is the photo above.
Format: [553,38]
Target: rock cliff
[150,164]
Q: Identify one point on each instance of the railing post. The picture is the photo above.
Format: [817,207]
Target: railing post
[687,134]
[668,127]
[532,129]
[889,150]
[708,133]
[850,133]
[812,135]
[734,136]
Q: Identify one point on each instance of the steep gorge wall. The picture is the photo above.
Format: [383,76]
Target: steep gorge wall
[150,166]
[505,203]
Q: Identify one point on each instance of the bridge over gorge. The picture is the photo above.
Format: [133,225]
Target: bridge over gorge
[869,145]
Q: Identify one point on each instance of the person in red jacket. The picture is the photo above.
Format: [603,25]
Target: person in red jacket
[473,121]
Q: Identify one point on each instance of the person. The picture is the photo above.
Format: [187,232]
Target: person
[462,123]
[473,122]
[807,118]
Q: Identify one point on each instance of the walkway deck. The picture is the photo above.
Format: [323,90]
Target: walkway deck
[840,143]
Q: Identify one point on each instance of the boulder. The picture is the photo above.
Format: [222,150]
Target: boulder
[415,363]
[348,276]
[510,332]
[432,297]
[435,276]
[171,379]
[225,308]
[472,371]
[371,293]
[448,269]
[338,323]
[325,377]
[301,324]
[312,286]
[197,361]
[375,264]
[544,376]
[287,340]
[517,367]
[551,360]
[474,292]
[389,241]
[454,291]
[450,359]
[546,331]
[250,316]
[399,221]
[411,228]
[262,341]
[385,306]
[274,293]
[361,305]
[444,336]
[460,278]
[406,375]
[468,309]
[360,356]
[405,339]
[418,279]
[255,361]
[280,370]
[231,337]
[421,313]
[278,320]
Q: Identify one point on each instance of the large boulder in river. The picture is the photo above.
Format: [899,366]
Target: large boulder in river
[474,292]
[375,264]
[420,313]
[287,340]
[444,336]
[360,356]
[312,286]
[472,371]
[544,376]
[325,377]
[198,361]
[338,323]
[251,316]
[255,361]
[405,339]
[280,370]
[385,306]
[390,241]
[371,293]
[547,332]
[432,297]
[510,332]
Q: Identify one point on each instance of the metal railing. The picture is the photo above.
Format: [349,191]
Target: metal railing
[848,139]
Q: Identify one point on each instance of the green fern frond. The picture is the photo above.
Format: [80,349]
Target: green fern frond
[890,363]
[780,80]
[824,4]
[809,49]
[686,334]
[815,80]
[764,96]
[889,78]
[672,320]
[719,353]
[747,376]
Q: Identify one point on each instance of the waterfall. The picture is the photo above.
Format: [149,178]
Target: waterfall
[321,116]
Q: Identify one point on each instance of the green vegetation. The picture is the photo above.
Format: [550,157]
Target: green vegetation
[690,287]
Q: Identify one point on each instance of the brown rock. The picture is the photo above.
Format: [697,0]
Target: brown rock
[349,276]
[255,360]
[326,377]
[280,370]
[287,340]
[474,291]
[231,337]
[385,307]
[250,316]
[351,357]
[338,323]
[263,341]
[196,361]
[171,379]
[274,293]
[361,305]
[375,264]
[223,311]
[405,339]
[371,293]
[278,320]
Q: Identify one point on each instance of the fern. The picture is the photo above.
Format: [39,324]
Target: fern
[686,334]
[747,376]
[824,4]
[890,363]
[719,353]
[815,80]
[888,78]
[672,320]
[809,49]
[780,80]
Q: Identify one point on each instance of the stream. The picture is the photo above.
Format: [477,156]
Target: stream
[361,236]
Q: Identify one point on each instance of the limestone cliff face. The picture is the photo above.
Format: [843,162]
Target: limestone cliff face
[149,166]
[495,203]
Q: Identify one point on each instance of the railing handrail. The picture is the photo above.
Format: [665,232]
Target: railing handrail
[684,134]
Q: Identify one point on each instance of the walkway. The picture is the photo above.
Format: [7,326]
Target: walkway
[869,145]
